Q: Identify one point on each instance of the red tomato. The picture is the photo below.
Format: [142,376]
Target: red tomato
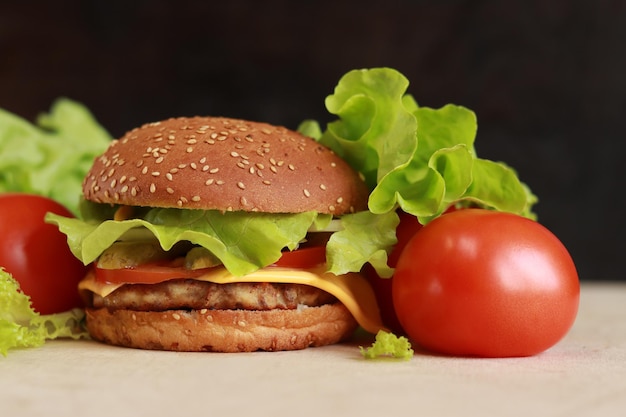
[407,227]
[484,283]
[36,253]
[152,273]
[303,258]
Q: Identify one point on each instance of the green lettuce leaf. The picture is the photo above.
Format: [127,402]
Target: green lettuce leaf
[51,157]
[244,242]
[365,238]
[388,345]
[419,159]
[21,326]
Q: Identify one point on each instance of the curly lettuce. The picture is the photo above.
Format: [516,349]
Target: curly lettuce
[22,327]
[52,156]
[242,241]
[388,345]
[419,159]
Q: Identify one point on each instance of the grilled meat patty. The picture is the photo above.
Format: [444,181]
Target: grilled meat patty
[190,294]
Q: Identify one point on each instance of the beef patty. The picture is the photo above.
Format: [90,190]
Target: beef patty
[194,295]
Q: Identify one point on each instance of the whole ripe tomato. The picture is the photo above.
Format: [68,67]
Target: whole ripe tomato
[36,253]
[407,227]
[484,283]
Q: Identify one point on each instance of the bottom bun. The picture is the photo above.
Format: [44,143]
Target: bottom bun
[222,330]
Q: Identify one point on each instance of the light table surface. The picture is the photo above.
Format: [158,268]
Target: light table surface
[583,375]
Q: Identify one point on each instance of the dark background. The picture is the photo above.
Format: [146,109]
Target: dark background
[547,79]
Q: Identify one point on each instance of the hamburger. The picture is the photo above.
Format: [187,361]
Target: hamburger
[211,233]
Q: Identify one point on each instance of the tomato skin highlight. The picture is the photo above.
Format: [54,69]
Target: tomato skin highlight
[37,254]
[483,283]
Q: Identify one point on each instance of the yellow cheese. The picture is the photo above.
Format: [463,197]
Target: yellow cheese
[351,289]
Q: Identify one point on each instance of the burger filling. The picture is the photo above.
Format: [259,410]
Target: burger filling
[192,294]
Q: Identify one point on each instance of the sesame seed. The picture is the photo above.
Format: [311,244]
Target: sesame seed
[193,165]
[152,188]
[209,181]
[241,185]
[243,201]
[124,189]
[159,160]
[291,167]
[189,149]
[340,200]
[169,176]
[306,193]
[191,142]
[266,131]
[176,316]
[322,187]
[133,191]
[169,190]
[144,170]
[205,168]
[182,166]
[241,165]
[331,208]
[234,154]
[219,182]
[113,183]
[260,166]
[195,198]
[214,170]
[155,173]
[273,169]
[123,179]
[203,160]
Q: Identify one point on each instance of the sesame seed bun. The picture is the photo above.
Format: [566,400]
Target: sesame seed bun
[222,330]
[216,163]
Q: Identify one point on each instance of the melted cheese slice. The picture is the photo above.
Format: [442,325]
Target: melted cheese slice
[351,289]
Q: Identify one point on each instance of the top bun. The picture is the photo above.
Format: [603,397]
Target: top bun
[216,163]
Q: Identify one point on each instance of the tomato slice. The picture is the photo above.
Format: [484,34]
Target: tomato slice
[146,274]
[302,258]
[152,273]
